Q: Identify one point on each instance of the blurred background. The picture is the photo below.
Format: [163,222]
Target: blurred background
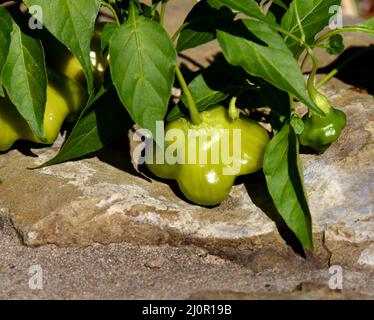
[359,8]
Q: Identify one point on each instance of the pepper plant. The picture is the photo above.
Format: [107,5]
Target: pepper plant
[265,45]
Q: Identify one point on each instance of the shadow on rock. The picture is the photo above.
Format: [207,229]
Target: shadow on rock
[259,194]
[117,155]
[355,67]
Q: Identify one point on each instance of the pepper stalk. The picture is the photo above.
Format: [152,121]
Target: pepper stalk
[194,113]
[234,112]
[318,98]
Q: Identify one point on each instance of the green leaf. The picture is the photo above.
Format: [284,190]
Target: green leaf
[369,24]
[5,38]
[281,4]
[262,53]
[284,177]
[314,16]
[25,80]
[72,22]
[212,86]
[297,124]
[365,26]
[106,34]
[142,65]
[103,121]
[203,95]
[150,12]
[277,100]
[278,9]
[190,37]
[335,45]
[248,7]
[202,21]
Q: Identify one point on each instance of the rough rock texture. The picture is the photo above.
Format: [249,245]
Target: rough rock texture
[340,182]
[130,271]
[167,248]
[100,200]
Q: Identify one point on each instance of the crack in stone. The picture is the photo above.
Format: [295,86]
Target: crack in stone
[325,246]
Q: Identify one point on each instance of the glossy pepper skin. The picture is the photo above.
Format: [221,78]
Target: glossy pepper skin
[66,92]
[65,97]
[61,60]
[320,131]
[206,184]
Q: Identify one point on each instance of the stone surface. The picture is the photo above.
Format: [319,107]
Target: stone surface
[233,251]
[120,271]
[340,182]
[367,257]
[304,291]
[102,200]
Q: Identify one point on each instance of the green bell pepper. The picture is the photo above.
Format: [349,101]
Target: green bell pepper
[320,131]
[208,183]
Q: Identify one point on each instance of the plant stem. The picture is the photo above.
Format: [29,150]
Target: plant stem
[289,34]
[344,29]
[292,103]
[111,8]
[333,72]
[318,98]
[327,78]
[163,10]
[304,62]
[179,30]
[310,84]
[234,112]
[314,69]
[313,93]
[281,4]
[297,39]
[194,113]
[303,37]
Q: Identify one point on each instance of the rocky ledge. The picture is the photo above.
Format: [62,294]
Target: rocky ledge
[102,200]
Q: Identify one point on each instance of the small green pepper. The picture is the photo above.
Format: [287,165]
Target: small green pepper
[206,183]
[320,131]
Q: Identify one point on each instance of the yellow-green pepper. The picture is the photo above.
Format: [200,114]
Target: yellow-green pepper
[66,93]
[206,183]
[65,97]
[61,60]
